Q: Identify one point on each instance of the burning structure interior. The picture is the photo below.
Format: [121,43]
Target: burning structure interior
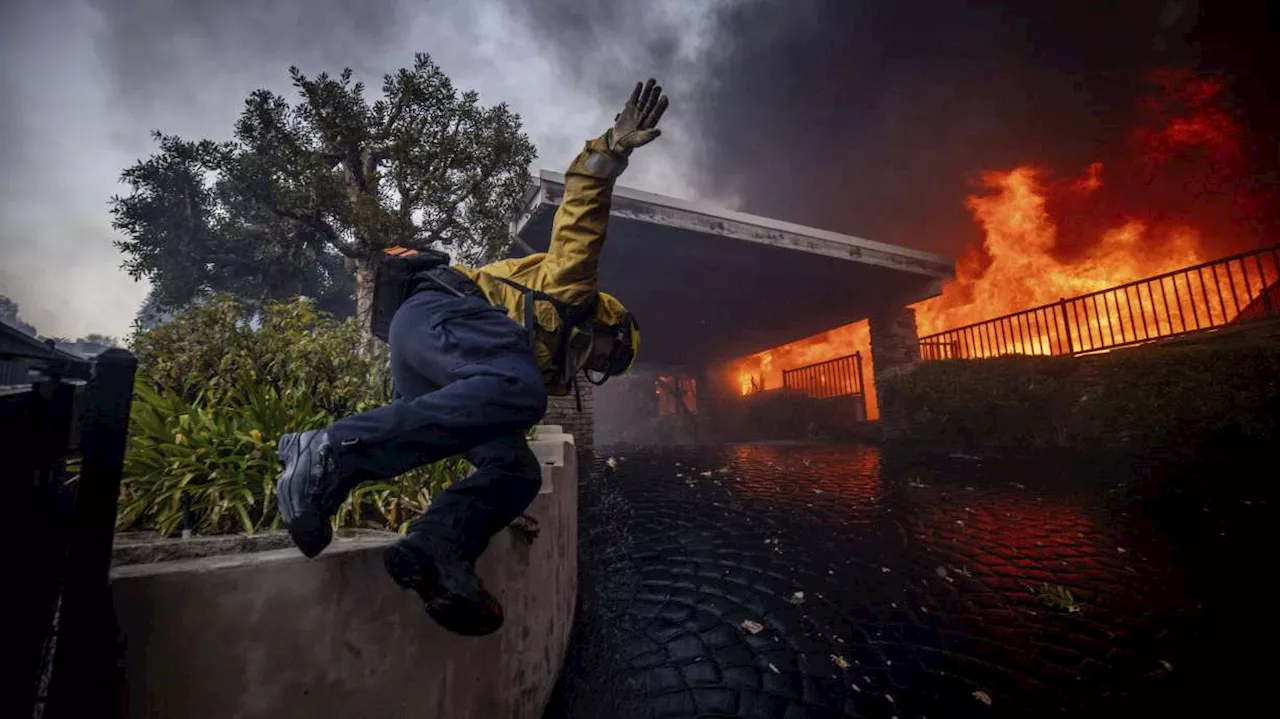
[712,288]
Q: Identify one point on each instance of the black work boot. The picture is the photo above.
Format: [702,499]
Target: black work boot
[307,491]
[454,596]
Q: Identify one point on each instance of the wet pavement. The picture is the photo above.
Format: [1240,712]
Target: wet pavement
[821,581]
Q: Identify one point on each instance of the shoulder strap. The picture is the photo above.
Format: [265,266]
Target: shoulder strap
[530,294]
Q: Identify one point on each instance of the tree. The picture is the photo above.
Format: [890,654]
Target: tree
[305,193]
[151,314]
[10,315]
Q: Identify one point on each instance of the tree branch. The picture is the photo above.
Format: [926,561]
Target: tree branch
[393,117]
[320,226]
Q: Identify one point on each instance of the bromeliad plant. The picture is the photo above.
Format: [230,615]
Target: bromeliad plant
[218,386]
[394,504]
[214,460]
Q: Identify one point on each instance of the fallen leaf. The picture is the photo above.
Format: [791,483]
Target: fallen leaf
[705,474]
[983,697]
[752,626]
[797,598]
[840,661]
[886,570]
[611,463]
[1167,666]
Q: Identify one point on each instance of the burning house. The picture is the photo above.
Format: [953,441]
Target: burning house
[711,287]
[760,328]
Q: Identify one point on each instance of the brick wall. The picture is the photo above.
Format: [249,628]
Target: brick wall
[895,344]
[564,411]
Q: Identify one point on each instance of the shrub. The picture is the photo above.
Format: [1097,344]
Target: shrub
[213,395]
[214,348]
[1175,396]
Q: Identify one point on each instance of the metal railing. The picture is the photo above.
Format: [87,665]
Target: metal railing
[837,377]
[64,419]
[1239,288]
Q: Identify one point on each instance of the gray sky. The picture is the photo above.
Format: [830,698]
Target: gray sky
[859,116]
[83,82]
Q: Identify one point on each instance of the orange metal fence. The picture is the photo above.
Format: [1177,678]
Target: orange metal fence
[1239,288]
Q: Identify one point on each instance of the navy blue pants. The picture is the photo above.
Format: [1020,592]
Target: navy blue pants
[466,383]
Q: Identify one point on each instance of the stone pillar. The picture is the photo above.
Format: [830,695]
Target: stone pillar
[894,342]
[564,411]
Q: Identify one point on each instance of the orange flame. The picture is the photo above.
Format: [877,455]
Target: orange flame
[1026,259]
[763,371]
[1022,269]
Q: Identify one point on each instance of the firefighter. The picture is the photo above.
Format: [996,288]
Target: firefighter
[474,355]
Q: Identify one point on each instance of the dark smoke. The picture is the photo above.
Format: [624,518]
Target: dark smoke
[157,53]
[876,119]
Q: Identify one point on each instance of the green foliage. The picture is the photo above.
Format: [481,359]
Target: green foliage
[393,504]
[219,455]
[1174,396]
[213,349]
[212,397]
[273,212]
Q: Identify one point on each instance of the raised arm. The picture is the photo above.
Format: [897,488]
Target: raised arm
[578,232]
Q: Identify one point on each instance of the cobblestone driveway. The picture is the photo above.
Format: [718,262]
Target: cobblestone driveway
[805,581]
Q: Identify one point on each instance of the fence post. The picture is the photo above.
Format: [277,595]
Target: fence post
[83,663]
[1066,326]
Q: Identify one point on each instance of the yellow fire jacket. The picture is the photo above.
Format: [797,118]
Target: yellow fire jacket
[567,271]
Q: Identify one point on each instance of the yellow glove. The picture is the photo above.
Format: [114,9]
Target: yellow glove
[637,124]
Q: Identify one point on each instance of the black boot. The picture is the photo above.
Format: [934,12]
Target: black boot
[308,491]
[454,596]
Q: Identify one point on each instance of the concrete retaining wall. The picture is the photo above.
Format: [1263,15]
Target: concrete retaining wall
[271,634]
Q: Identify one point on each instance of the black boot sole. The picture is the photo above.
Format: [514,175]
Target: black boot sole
[312,533]
[474,616]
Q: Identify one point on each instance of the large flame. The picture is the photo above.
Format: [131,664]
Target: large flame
[1025,260]
[763,371]
[1048,238]
[1017,266]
